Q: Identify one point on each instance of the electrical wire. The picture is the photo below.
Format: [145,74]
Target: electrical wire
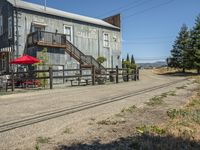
[148,9]
[118,9]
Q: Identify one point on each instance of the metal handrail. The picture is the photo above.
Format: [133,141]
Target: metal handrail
[60,39]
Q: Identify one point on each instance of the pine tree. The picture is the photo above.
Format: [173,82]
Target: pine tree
[181,52]
[132,60]
[123,65]
[195,43]
[184,46]
[127,58]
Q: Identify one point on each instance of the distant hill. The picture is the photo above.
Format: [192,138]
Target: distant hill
[152,65]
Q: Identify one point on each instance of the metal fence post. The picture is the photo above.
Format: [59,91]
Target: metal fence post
[117,74]
[51,77]
[93,75]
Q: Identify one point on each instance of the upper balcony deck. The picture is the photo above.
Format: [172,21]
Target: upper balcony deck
[44,38]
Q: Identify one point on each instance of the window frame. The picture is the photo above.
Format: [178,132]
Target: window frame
[38,26]
[10,28]
[71,32]
[1,24]
[106,40]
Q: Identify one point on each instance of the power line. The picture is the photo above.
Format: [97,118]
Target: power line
[125,8]
[145,2]
[134,43]
[155,37]
[148,9]
[116,9]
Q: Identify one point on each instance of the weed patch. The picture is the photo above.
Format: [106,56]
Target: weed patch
[150,129]
[42,140]
[159,99]
[130,109]
[110,122]
[67,131]
[181,87]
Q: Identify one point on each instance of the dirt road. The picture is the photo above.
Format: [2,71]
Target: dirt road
[17,107]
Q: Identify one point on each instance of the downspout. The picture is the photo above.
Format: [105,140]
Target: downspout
[99,44]
[17,31]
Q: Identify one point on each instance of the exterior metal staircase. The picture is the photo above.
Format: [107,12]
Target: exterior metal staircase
[50,39]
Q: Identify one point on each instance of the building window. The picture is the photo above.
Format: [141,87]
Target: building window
[38,28]
[69,33]
[106,42]
[1,24]
[10,27]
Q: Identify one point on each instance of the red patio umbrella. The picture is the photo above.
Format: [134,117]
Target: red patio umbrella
[26,60]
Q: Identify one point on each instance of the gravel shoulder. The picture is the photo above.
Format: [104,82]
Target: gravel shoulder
[84,127]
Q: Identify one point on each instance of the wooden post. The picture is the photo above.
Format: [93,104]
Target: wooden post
[127,75]
[138,74]
[63,74]
[51,77]
[93,75]
[12,81]
[117,74]
[80,70]
[135,74]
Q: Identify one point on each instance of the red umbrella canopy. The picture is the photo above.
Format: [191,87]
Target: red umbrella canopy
[26,60]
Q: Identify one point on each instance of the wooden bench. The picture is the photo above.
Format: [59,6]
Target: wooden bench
[79,82]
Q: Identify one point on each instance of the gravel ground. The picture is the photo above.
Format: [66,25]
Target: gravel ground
[81,126]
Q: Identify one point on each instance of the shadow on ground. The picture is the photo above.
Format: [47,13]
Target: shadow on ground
[139,142]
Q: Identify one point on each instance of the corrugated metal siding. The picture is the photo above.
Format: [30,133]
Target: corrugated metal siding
[88,38]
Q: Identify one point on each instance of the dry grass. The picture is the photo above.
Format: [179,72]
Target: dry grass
[165,70]
[168,70]
[183,124]
[159,99]
[42,140]
[129,110]
[186,122]
[110,122]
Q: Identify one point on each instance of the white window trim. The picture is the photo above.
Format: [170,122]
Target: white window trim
[38,26]
[10,32]
[71,28]
[1,25]
[106,46]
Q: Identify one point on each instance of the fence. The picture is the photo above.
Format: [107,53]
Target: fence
[111,74]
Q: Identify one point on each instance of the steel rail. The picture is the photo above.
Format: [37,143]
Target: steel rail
[51,114]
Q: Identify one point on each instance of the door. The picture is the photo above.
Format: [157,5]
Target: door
[38,28]
[69,33]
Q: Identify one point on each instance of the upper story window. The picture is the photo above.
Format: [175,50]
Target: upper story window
[1,24]
[106,41]
[38,28]
[10,27]
[69,33]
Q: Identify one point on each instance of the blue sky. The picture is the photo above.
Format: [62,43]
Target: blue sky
[149,27]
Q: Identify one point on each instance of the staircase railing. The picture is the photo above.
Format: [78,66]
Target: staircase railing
[57,39]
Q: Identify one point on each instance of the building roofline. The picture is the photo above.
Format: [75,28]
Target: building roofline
[55,12]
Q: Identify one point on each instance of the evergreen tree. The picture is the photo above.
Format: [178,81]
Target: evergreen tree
[123,65]
[195,43]
[181,52]
[132,60]
[127,58]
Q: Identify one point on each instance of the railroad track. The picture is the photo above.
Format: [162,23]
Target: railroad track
[44,116]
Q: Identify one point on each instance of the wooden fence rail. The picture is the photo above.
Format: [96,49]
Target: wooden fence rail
[114,74]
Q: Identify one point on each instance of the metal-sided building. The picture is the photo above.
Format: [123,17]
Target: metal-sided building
[72,40]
